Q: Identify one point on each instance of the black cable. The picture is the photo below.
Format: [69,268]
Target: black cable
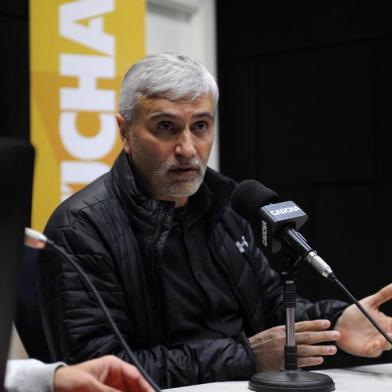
[361,308]
[87,281]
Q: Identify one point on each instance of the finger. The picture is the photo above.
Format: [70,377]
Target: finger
[309,361]
[383,295]
[372,350]
[314,351]
[312,325]
[94,385]
[135,380]
[382,345]
[313,337]
[105,388]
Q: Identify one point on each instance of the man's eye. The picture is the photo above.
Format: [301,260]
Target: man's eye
[200,126]
[165,126]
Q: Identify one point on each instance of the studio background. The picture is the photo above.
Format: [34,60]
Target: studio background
[306,99]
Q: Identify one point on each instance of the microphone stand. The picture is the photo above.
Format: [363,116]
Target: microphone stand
[291,378]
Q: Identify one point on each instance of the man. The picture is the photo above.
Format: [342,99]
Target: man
[106,374]
[158,237]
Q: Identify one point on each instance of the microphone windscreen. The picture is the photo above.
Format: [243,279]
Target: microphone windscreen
[249,197]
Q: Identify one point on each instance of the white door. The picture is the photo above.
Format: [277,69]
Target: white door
[188,27]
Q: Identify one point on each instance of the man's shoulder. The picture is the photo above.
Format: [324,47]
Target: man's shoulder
[87,202]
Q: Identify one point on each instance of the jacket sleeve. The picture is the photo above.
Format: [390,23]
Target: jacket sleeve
[30,375]
[80,332]
[202,361]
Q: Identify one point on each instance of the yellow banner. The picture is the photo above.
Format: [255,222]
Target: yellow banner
[79,51]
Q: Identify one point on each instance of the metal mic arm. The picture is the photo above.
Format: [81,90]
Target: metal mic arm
[290,294]
[297,242]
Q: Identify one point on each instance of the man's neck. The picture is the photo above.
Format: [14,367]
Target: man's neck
[181,201]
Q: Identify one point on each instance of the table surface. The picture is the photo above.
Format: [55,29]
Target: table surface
[373,378]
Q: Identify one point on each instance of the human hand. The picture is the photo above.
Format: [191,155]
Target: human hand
[268,345]
[359,336]
[106,374]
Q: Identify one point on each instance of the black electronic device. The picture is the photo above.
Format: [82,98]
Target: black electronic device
[16,177]
[277,223]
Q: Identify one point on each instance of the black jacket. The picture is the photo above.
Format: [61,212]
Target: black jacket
[117,235]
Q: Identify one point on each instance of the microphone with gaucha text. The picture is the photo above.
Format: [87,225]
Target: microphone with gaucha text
[35,239]
[279,223]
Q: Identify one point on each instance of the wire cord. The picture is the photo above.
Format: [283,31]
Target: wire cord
[361,308]
[87,281]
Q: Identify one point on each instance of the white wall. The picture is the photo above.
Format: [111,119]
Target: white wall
[188,27]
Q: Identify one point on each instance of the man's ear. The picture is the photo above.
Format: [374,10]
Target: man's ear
[124,132]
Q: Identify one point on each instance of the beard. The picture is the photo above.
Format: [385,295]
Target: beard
[178,178]
[170,179]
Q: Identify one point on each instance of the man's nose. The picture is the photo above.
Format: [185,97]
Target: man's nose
[185,145]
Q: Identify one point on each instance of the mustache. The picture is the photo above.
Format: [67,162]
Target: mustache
[194,164]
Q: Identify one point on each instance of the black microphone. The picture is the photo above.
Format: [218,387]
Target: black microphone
[278,222]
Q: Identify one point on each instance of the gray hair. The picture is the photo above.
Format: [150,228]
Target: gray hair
[167,75]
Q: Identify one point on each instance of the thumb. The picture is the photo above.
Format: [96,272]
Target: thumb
[383,295]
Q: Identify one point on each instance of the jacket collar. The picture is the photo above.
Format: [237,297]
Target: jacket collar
[149,215]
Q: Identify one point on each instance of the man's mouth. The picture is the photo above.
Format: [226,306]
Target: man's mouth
[185,170]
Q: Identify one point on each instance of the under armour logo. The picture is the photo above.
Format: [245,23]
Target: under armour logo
[242,245]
